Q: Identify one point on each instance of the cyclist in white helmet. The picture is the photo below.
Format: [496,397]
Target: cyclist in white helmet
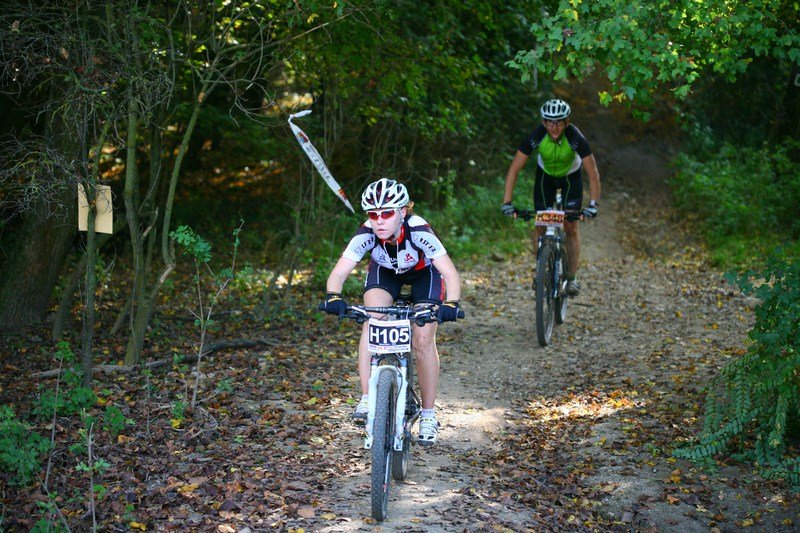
[561,151]
[404,251]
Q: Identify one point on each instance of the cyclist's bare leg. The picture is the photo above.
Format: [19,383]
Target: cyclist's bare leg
[427,357]
[372,298]
[573,246]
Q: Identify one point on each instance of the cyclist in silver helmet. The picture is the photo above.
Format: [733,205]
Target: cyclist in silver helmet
[404,251]
[561,151]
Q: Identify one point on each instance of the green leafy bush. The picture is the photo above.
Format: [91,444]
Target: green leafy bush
[72,397]
[471,225]
[745,198]
[20,448]
[754,401]
[115,421]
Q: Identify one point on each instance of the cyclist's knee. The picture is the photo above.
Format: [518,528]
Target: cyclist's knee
[424,345]
[376,297]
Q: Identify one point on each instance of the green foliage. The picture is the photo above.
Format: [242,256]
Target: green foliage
[72,397]
[114,420]
[192,243]
[471,224]
[21,448]
[744,198]
[390,61]
[178,412]
[225,385]
[48,523]
[756,398]
[640,46]
[755,109]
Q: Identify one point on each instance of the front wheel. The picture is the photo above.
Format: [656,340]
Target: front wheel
[545,304]
[562,298]
[382,444]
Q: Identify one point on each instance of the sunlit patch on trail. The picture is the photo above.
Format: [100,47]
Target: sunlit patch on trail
[591,405]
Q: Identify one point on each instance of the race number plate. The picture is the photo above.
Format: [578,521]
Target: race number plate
[550,218]
[389,336]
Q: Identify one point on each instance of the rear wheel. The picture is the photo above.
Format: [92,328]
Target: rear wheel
[400,460]
[382,439]
[545,301]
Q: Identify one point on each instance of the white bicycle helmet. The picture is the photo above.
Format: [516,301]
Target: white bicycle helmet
[555,110]
[384,194]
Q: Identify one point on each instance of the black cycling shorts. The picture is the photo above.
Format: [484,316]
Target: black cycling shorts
[545,186]
[427,285]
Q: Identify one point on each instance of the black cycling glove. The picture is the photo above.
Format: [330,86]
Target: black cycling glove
[335,304]
[591,211]
[508,209]
[448,311]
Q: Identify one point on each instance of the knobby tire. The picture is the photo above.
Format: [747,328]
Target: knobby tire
[562,298]
[545,305]
[382,439]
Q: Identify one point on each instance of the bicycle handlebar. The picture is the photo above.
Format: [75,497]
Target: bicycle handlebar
[419,315]
[530,214]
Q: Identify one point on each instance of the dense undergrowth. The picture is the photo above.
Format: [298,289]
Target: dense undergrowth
[466,218]
[745,199]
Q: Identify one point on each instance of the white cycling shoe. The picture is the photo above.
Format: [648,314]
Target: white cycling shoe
[361,411]
[428,431]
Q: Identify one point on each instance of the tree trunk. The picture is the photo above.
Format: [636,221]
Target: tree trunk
[28,277]
[65,304]
[41,243]
[87,337]
[141,317]
[138,292]
[92,166]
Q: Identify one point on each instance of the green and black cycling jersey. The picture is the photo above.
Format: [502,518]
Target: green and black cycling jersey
[557,158]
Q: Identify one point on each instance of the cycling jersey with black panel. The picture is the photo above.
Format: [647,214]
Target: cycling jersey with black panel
[559,166]
[416,246]
[557,158]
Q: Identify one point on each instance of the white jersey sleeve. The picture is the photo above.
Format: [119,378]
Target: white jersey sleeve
[423,237]
[362,242]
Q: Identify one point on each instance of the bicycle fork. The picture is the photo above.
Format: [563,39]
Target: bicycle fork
[558,269]
[400,403]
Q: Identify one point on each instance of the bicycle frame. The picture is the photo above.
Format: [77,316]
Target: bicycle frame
[556,236]
[549,283]
[399,367]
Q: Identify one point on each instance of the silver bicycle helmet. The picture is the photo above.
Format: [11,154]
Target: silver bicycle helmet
[555,110]
[384,194]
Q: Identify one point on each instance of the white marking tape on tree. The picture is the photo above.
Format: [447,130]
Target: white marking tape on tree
[316,159]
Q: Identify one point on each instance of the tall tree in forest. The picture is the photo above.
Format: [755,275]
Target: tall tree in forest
[234,47]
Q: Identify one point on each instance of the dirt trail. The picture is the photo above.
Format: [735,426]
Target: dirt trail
[651,325]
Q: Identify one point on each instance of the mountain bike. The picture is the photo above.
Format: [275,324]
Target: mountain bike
[394,405]
[551,260]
